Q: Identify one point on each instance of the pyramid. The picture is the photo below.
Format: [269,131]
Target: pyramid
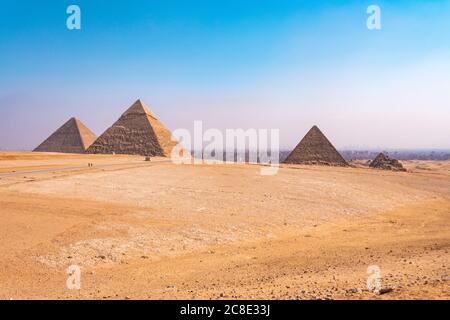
[138,132]
[315,148]
[385,162]
[72,137]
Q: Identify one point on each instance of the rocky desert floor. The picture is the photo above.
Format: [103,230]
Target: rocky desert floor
[158,230]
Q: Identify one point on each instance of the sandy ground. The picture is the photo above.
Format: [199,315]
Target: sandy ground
[157,230]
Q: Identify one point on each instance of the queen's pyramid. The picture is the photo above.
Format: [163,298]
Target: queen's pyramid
[385,162]
[315,148]
[72,137]
[138,132]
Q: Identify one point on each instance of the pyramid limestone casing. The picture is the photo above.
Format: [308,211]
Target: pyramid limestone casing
[136,132]
[315,148]
[72,137]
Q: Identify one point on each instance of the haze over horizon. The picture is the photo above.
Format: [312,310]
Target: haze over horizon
[284,64]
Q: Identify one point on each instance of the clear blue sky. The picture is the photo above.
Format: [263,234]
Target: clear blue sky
[233,64]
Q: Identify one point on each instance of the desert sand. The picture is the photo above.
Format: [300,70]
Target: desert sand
[157,230]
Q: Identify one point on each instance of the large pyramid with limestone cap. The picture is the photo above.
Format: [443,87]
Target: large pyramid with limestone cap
[138,132]
[72,137]
[315,148]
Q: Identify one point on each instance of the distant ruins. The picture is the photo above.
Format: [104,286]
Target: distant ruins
[72,137]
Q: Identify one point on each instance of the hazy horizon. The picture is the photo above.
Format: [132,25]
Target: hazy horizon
[267,64]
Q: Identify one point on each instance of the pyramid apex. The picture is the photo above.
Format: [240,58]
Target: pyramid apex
[76,121]
[381,156]
[138,107]
[315,130]
[139,102]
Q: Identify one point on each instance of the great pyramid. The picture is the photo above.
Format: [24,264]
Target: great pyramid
[138,132]
[385,162]
[72,137]
[315,148]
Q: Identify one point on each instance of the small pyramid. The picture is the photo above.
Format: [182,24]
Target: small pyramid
[315,148]
[72,137]
[137,132]
[385,162]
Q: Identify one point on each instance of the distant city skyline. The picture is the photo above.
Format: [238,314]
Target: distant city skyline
[266,64]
